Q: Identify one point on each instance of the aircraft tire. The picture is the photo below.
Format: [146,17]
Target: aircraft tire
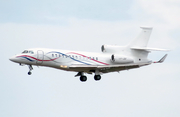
[29,73]
[97,77]
[83,78]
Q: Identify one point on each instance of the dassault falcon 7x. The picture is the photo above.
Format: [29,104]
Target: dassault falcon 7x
[111,59]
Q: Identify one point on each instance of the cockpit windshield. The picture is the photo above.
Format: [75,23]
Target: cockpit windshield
[28,51]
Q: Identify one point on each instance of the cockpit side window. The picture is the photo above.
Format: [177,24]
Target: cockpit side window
[26,51]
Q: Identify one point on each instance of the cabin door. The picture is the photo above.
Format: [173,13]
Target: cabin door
[40,57]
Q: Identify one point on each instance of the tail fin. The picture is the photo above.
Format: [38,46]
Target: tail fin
[142,39]
[139,48]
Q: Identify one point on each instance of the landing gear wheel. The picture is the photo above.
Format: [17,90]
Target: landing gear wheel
[29,73]
[83,78]
[30,69]
[97,77]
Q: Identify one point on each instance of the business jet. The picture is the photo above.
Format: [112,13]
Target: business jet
[111,59]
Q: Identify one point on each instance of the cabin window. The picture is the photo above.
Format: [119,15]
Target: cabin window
[52,55]
[96,58]
[31,52]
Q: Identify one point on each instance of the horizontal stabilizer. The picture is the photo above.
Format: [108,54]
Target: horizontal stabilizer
[162,59]
[149,49]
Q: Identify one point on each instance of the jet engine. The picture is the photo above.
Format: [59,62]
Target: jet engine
[111,48]
[121,59]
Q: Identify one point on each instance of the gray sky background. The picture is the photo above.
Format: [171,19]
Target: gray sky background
[86,25]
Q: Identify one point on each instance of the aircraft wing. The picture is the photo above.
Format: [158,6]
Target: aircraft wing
[106,68]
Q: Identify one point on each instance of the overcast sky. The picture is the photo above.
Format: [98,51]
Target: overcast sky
[85,25]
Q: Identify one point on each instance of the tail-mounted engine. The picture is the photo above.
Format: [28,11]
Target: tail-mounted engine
[111,48]
[121,59]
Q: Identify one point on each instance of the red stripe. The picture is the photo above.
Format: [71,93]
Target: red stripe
[36,58]
[87,57]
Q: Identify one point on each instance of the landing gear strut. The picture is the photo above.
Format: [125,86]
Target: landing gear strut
[30,69]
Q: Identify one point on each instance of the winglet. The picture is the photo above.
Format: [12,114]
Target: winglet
[162,59]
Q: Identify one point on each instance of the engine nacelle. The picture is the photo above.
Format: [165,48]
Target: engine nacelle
[111,48]
[121,59]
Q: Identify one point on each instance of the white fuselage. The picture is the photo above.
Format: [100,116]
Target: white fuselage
[111,59]
[62,59]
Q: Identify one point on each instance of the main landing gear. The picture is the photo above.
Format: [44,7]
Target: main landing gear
[83,78]
[97,77]
[30,69]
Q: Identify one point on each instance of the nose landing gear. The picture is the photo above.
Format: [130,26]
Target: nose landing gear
[30,69]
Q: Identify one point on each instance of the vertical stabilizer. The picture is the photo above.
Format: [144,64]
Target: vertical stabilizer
[142,39]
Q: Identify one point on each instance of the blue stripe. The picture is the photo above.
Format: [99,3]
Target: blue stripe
[69,57]
[27,58]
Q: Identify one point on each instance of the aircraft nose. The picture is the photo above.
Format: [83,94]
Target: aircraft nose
[13,58]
